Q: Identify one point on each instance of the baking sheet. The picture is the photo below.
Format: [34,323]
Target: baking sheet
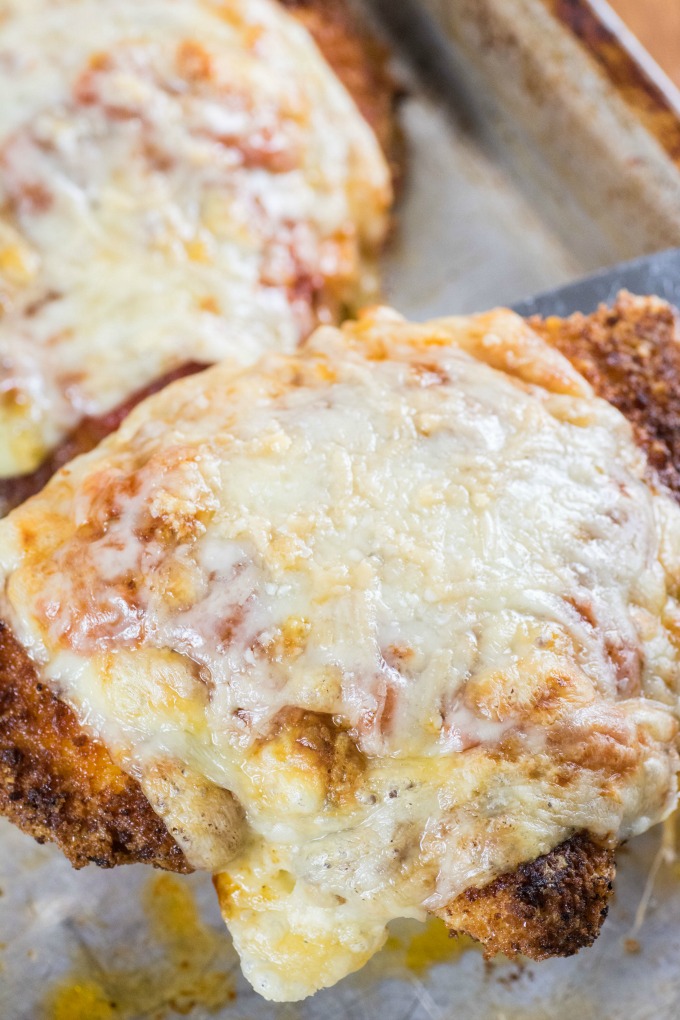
[133,943]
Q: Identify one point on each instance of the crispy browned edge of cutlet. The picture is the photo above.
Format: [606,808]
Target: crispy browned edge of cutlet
[361,62]
[58,783]
[552,906]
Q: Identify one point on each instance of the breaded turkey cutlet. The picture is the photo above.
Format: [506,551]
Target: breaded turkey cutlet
[179,183]
[383,627]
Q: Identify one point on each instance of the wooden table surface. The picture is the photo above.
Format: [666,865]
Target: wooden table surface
[656,23]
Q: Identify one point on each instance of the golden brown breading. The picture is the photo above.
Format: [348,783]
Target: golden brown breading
[630,354]
[361,63]
[552,906]
[59,784]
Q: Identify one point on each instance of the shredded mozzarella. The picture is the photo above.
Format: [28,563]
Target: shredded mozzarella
[408,595]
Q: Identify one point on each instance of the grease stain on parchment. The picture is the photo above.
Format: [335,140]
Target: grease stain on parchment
[435,944]
[193,965]
[414,949]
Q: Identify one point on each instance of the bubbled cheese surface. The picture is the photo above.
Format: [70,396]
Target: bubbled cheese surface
[407,595]
[180,180]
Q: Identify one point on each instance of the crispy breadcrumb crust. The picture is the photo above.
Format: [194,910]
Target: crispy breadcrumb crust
[552,906]
[360,61]
[57,783]
[630,354]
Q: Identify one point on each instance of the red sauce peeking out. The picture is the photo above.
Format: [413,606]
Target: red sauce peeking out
[87,434]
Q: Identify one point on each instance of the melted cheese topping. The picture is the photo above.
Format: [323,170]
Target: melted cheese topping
[180,180]
[406,597]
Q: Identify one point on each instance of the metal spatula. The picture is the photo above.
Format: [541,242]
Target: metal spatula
[652,274]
